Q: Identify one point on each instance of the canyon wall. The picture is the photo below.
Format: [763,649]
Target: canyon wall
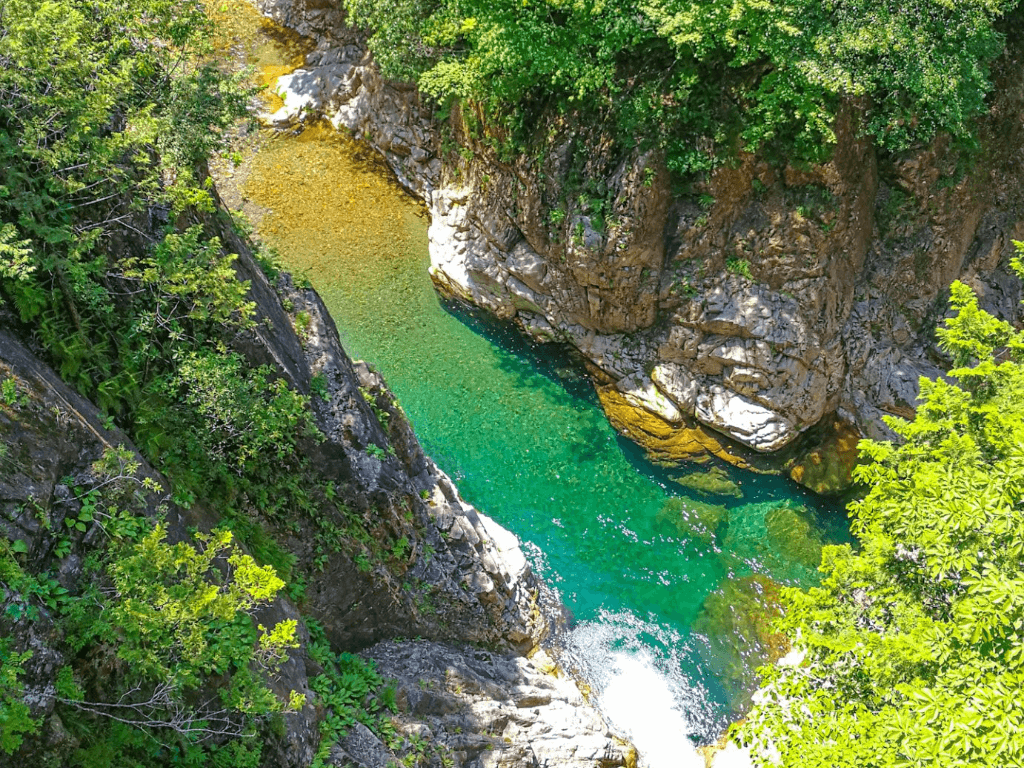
[440,571]
[765,309]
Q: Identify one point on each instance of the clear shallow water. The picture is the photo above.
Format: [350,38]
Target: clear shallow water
[668,588]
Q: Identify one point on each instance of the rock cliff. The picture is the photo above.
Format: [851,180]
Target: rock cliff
[485,710]
[437,568]
[762,303]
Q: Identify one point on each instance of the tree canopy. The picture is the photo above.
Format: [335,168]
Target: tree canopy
[704,77]
[914,645]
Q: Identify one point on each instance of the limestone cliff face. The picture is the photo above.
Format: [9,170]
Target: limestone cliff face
[763,302]
[459,576]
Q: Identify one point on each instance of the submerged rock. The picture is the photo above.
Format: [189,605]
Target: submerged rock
[714,480]
[695,519]
[828,467]
[793,534]
[737,622]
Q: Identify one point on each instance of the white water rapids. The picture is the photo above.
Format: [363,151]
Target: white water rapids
[637,685]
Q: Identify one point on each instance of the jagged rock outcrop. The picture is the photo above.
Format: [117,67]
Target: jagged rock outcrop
[472,708]
[767,301]
[475,568]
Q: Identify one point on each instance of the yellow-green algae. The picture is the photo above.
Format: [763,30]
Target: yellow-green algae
[828,467]
[664,442]
[694,519]
[792,532]
[710,480]
[331,207]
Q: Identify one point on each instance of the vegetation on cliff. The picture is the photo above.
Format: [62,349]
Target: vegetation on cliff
[105,116]
[702,79]
[110,266]
[915,643]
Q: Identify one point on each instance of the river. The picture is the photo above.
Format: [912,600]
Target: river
[671,589]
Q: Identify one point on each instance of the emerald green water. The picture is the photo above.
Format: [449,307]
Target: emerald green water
[526,442]
[671,590]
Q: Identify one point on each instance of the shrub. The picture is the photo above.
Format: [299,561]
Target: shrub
[915,643]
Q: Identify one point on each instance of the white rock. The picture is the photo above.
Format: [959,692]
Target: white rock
[506,543]
[522,297]
[641,392]
[678,383]
[751,423]
[527,265]
[354,114]
[604,350]
[300,91]
[538,327]
[745,380]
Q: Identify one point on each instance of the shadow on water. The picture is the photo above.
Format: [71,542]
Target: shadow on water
[554,360]
[558,363]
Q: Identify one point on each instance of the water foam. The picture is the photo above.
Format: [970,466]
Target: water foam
[634,672]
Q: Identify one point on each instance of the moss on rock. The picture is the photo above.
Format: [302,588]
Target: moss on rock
[662,441]
[695,519]
[793,534]
[828,467]
[714,480]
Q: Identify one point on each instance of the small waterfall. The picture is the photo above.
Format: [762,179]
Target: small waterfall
[635,675]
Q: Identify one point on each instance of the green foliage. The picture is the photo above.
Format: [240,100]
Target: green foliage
[383,416]
[109,258]
[104,112]
[178,618]
[352,692]
[171,609]
[363,562]
[15,716]
[318,386]
[15,255]
[400,549]
[698,78]
[191,279]
[167,621]
[11,394]
[739,267]
[915,644]
[244,415]
[302,321]
[26,591]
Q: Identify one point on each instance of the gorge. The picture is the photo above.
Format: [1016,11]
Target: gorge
[766,302]
[224,544]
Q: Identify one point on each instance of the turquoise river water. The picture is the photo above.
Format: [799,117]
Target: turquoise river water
[670,589]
